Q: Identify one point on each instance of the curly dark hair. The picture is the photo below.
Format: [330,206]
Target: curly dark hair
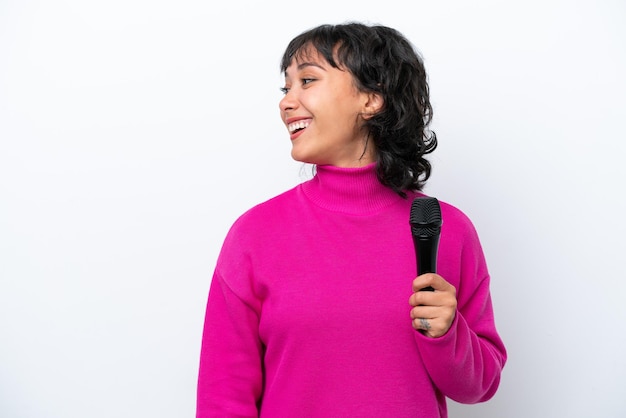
[382,61]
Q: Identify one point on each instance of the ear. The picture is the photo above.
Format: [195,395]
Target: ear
[373,104]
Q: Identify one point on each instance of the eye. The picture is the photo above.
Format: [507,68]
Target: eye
[304,82]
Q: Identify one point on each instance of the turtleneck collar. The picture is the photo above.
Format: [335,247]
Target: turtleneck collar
[353,191]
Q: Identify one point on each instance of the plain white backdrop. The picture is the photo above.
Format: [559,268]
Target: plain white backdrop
[134,132]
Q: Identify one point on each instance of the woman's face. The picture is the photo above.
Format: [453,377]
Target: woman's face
[324,113]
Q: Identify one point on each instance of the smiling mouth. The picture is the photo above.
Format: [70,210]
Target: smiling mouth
[297,126]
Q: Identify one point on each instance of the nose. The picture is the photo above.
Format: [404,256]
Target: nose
[288,102]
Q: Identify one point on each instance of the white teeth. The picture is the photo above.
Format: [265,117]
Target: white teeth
[297,125]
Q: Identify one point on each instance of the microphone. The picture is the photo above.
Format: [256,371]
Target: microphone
[426,223]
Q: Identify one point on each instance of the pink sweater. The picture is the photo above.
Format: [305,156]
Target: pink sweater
[308,312]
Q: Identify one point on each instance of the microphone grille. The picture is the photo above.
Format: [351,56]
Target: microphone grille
[425,216]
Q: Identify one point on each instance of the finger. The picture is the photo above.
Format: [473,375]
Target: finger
[424,298]
[431,320]
[422,324]
[426,322]
[427,281]
[428,328]
[428,312]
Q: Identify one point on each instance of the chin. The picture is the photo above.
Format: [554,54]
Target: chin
[302,158]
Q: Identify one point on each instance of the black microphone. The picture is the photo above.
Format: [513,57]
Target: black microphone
[426,223]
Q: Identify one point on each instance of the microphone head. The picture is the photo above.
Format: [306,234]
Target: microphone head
[425,217]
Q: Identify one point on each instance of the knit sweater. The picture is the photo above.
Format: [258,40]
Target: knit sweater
[308,312]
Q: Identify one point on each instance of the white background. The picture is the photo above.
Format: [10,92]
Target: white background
[134,132]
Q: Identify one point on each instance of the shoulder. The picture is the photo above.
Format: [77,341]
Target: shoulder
[455,217]
[458,232]
[455,222]
[449,212]
[264,217]
[271,209]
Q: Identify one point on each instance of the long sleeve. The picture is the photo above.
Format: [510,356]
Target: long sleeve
[307,313]
[465,364]
[230,375]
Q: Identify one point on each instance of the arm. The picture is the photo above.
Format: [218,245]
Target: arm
[465,362]
[461,350]
[230,376]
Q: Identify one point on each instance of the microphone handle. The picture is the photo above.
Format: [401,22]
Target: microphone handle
[426,255]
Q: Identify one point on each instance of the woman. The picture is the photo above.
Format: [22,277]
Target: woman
[307,314]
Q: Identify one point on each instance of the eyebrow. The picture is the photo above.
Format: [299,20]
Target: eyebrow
[301,66]
[310,64]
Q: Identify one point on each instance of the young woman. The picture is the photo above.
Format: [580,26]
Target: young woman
[314,308]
